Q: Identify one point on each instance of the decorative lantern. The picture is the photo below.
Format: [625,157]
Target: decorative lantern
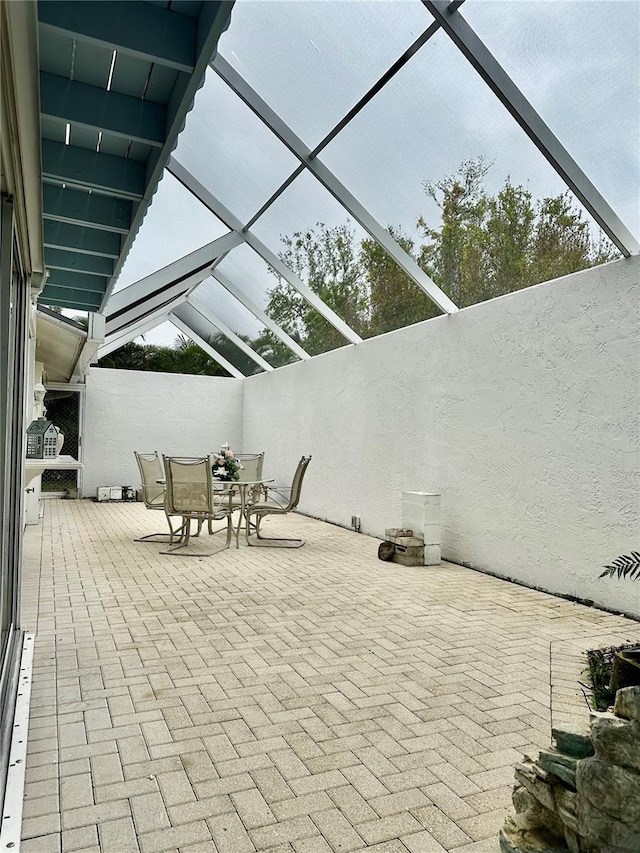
[42,439]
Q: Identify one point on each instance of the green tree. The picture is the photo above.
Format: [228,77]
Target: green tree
[272,349]
[486,246]
[395,299]
[327,260]
[185,357]
[482,247]
[129,356]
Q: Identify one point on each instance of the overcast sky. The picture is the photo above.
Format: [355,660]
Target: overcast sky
[311,60]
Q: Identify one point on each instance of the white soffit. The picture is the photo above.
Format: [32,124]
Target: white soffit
[59,345]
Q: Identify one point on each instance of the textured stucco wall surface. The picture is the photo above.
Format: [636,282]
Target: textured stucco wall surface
[129,410]
[522,412]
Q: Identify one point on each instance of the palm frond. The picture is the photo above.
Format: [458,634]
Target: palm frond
[625,566]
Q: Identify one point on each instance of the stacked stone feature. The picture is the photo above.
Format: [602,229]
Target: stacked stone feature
[583,795]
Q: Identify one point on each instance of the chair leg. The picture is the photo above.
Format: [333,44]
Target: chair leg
[269,542]
[163,538]
[188,548]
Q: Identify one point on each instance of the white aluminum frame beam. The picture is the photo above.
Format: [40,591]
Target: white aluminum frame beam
[209,200]
[111,344]
[201,259]
[135,329]
[95,338]
[294,346]
[215,321]
[195,337]
[140,310]
[304,154]
[494,75]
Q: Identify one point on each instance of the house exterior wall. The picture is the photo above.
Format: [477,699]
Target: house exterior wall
[522,412]
[127,410]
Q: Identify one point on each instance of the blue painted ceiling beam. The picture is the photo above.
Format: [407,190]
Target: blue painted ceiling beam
[139,29]
[80,208]
[213,20]
[80,167]
[87,106]
[66,298]
[77,281]
[91,241]
[59,259]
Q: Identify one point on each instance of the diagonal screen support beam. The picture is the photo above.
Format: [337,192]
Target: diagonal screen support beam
[209,200]
[171,275]
[139,310]
[219,326]
[472,47]
[124,336]
[297,147]
[195,337]
[294,346]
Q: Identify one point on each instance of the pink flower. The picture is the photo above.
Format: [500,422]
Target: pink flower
[229,454]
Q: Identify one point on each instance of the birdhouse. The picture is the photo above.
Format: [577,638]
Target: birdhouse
[42,439]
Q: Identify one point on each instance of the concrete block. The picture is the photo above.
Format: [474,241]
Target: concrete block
[421,513]
[432,556]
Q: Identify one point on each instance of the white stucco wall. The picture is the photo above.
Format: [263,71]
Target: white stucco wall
[522,412]
[129,410]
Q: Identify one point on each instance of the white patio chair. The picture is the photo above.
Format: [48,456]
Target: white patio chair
[190,494]
[276,504]
[152,470]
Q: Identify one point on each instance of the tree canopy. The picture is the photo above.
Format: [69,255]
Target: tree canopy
[483,246]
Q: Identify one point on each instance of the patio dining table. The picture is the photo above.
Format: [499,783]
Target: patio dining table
[242,486]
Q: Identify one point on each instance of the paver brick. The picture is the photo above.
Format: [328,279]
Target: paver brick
[319,782]
[122,790]
[288,764]
[388,828]
[229,834]
[283,831]
[315,844]
[42,825]
[106,769]
[485,825]
[392,804]
[422,842]
[200,809]
[441,827]
[79,839]
[364,781]
[118,836]
[149,812]
[303,805]
[337,830]
[274,687]
[72,818]
[162,840]
[252,809]
[271,784]
[226,785]
[76,791]
[175,787]
[42,844]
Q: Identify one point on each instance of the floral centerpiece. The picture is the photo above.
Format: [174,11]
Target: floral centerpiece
[225,464]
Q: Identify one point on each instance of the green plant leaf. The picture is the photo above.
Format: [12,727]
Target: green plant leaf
[625,566]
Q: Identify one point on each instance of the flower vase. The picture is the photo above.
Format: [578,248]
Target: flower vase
[59,442]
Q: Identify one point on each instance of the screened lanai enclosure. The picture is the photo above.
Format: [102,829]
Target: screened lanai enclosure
[400,236]
[306,187]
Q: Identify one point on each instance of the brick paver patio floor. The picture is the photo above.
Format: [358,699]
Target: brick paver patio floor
[297,701]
